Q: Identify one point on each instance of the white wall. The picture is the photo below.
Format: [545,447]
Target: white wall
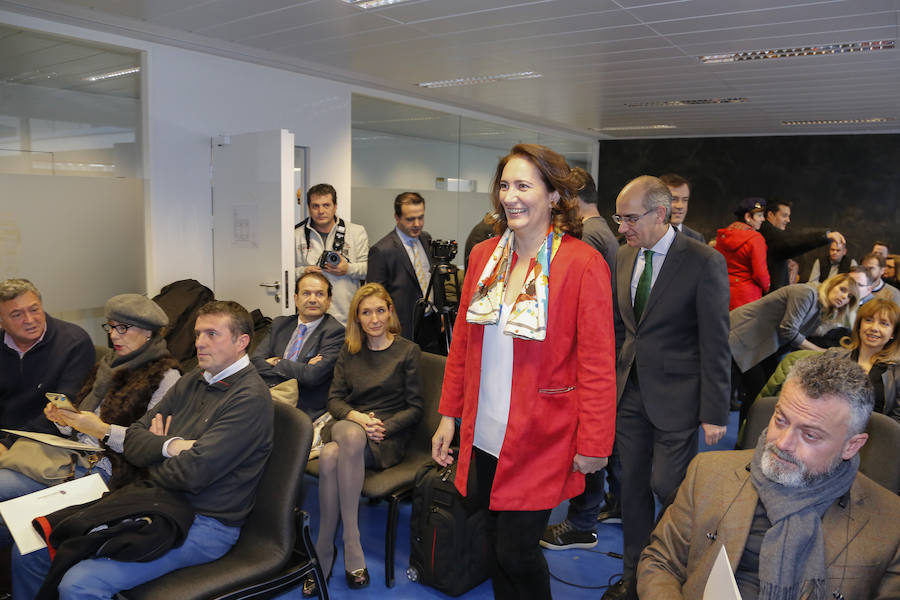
[190,97]
[193,97]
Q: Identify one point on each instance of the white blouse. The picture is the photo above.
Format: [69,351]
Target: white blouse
[495,387]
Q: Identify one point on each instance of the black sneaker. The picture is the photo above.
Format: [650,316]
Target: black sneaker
[563,536]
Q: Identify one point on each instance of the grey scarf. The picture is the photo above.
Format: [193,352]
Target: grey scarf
[112,363]
[792,556]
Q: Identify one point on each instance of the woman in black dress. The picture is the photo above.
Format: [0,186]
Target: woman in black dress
[376,400]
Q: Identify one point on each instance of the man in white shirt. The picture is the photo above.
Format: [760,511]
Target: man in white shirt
[329,245]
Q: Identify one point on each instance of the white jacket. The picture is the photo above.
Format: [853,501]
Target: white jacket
[356,251]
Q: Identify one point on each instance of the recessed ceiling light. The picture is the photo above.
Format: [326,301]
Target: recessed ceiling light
[477,80]
[825,49]
[686,102]
[632,128]
[841,121]
[32,76]
[373,3]
[400,120]
[112,74]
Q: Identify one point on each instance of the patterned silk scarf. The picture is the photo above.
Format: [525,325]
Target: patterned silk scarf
[528,317]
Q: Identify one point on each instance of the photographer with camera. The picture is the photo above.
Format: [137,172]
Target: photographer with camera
[327,244]
[401,261]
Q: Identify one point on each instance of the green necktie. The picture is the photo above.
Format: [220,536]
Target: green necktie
[643,287]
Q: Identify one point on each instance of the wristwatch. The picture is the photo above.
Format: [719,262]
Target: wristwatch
[105,439]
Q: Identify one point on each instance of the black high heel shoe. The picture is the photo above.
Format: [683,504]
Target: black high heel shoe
[310,587]
[357,579]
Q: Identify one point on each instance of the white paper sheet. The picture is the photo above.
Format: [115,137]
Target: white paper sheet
[53,440]
[721,584]
[18,512]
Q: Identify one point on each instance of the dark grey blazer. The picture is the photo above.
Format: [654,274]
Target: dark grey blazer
[680,345]
[390,266]
[691,233]
[780,318]
[313,380]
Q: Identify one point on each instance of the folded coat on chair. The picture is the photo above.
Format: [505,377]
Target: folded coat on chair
[140,521]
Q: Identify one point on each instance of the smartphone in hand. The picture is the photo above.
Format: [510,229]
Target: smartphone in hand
[61,401]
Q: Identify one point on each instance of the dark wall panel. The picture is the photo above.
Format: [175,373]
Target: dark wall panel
[850,183]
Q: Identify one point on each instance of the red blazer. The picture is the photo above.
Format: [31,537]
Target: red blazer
[745,253]
[563,397]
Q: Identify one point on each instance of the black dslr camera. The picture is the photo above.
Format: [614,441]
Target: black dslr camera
[329,257]
[443,251]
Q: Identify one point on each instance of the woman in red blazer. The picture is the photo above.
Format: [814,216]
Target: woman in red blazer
[531,368]
[744,249]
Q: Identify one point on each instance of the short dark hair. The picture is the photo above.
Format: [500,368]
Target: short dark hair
[880,243]
[316,275]
[406,198]
[864,271]
[774,205]
[587,190]
[240,321]
[321,189]
[874,256]
[674,180]
[832,374]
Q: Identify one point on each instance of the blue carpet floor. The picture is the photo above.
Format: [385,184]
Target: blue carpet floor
[586,568]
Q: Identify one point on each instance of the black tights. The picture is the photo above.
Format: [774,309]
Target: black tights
[517,566]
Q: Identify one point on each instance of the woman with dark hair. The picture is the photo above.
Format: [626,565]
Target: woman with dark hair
[124,385]
[531,369]
[376,400]
[744,249]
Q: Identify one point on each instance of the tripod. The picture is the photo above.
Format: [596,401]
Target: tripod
[441,272]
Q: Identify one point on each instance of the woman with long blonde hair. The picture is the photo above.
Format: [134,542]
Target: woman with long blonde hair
[376,400]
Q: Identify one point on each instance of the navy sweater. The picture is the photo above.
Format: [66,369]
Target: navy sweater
[231,421]
[58,363]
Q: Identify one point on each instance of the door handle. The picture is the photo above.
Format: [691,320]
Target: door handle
[273,286]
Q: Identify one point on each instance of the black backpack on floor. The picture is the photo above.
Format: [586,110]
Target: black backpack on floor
[448,545]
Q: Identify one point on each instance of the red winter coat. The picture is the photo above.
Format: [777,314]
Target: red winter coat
[563,398]
[745,253]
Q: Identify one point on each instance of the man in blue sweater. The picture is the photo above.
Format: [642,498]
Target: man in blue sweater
[38,354]
[208,438]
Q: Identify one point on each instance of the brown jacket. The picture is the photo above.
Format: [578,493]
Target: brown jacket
[862,537]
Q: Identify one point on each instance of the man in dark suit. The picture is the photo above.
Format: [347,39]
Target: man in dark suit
[680,188]
[673,364]
[401,262]
[782,245]
[304,347]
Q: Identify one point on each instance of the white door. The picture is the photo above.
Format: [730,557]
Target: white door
[253,220]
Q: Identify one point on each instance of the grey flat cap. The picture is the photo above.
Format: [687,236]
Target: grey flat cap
[134,309]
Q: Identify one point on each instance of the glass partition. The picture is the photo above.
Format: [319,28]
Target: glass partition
[72,215]
[448,159]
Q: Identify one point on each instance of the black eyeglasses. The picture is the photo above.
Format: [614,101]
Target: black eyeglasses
[630,219]
[121,328]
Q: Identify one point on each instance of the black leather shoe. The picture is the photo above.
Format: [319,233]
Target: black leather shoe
[620,590]
[357,579]
[610,511]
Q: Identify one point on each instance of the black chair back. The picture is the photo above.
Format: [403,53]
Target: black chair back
[269,536]
[877,459]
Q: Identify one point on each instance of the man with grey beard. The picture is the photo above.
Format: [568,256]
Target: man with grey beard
[795,516]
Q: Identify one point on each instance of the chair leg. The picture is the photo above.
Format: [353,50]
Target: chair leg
[304,539]
[390,539]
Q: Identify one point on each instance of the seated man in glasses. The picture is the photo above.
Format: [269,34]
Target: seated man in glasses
[38,354]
